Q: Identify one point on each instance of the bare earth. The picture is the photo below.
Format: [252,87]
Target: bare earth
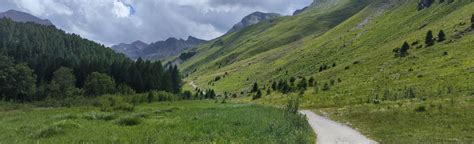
[331,132]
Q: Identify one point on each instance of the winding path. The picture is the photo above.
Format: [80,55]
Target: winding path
[331,132]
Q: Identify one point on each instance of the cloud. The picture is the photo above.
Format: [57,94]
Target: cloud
[42,7]
[116,21]
[121,9]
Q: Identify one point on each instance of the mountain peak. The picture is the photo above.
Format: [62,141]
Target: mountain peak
[252,19]
[19,16]
[159,49]
[139,42]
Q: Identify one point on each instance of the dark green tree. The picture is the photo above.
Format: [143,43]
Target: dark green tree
[311,81]
[441,36]
[63,83]
[99,84]
[258,95]
[274,85]
[472,22]
[125,89]
[326,87]
[187,95]
[175,79]
[303,84]
[17,81]
[429,41]
[46,49]
[403,51]
[255,87]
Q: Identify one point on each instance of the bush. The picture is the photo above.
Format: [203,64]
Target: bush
[111,102]
[99,84]
[292,106]
[129,121]
[57,128]
[420,109]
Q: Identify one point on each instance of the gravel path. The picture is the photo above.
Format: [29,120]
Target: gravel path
[331,132]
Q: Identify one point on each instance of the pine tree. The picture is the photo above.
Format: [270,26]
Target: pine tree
[403,51]
[255,87]
[258,95]
[472,22]
[429,41]
[441,36]
[303,84]
[175,79]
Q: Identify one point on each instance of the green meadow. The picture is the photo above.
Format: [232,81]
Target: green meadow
[160,122]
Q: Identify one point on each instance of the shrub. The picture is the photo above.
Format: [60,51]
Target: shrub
[420,109]
[129,121]
[99,84]
[292,106]
[111,102]
[187,95]
[57,128]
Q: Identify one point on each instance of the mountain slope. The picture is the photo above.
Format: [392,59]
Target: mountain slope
[354,48]
[252,19]
[133,50]
[19,16]
[159,50]
[268,35]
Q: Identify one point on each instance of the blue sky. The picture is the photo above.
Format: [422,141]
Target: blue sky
[116,21]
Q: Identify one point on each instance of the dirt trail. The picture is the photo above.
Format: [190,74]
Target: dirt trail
[193,85]
[331,132]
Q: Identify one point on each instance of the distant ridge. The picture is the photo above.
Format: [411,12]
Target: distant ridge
[158,50]
[252,19]
[19,16]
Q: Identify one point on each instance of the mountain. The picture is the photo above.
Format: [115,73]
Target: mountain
[252,19]
[19,16]
[133,50]
[351,48]
[158,50]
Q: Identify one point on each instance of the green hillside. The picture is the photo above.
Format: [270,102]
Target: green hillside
[360,72]
[354,40]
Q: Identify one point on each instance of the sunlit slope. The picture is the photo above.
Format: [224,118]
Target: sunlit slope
[357,52]
[271,34]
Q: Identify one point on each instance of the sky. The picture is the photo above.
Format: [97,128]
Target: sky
[124,21]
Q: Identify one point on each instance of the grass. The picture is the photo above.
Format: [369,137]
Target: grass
[360,43]
[443,120]
[167,122]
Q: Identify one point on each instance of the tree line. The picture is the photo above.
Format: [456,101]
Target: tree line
[42,61]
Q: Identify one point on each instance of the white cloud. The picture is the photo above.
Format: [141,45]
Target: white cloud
[42,7]
[121,10]
[115,21]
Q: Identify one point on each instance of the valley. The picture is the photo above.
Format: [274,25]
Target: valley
[336,71]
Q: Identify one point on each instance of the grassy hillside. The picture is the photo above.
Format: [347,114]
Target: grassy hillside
[357,51]
[166,122]
[348,48]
